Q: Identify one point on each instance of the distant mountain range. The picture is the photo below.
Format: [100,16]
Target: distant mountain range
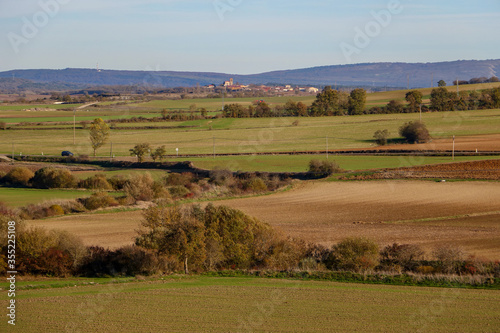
[369,74]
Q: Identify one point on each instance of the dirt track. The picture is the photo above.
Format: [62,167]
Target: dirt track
[326,212]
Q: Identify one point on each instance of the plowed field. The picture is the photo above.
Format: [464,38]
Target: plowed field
[486,170]
[420,212]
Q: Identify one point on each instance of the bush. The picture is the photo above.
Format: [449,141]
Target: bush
[140,187]
[356,254]
[53,178]
[118,182]
[184,178]
[415,132]
[449,257]
[18,176]
[405,255]
[3,125]
[221,177]
[46,253]
[255,184]
[99,200]
[56,210]
[381,137]
[323,168]
[96,182]
[178,191]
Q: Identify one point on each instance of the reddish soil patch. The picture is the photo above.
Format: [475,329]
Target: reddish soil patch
[485,170]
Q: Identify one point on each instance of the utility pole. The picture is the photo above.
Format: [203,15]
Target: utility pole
[327,147]
[213,145]
[408,81]
[12,151]
[432,80]
[420,108]
[453,152]
[458,94]
[74,127]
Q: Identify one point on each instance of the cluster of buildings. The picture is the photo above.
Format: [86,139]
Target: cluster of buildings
[231,86]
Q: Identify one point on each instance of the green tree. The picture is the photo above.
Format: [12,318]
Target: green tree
[327,103]
[414,99]
[415,132]
[381,136]
[441,83]
[356,254]
[159,153]
[168,230]
[394,106]
[99,134]
[441,99]
[357,101]
[140,150]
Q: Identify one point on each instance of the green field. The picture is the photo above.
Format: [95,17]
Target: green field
[18,197]
[300,163]
[254,135]
[205,304]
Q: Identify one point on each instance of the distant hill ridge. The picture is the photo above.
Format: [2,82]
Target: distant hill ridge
[368,74]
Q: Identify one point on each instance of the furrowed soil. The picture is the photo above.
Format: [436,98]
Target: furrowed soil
[484,170]
[204,304]
[426,213]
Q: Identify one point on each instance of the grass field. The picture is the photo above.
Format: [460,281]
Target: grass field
[17,197]
[205,304]
[300,163]
[255,135]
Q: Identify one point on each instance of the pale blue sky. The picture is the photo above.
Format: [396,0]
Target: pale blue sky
[242,36]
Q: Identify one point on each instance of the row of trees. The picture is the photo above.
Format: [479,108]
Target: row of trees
[329,102]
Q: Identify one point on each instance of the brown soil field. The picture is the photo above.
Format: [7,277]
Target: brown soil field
[483,170]
[465,214]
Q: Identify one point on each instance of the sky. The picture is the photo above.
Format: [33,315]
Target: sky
[242,36]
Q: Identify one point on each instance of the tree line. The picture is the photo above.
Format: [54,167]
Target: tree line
[332,102]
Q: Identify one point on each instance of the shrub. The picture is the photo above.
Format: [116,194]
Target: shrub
[356,254]
[405,255]
[49,177]
[99,200]
[184,178]
[3,125]
[449,257]
[126,261]
[221,177]
[381,137]
[118,182]
[415,132]
[140,187]
[96,182]
[323,168]
[47,209]
[19,176]
[178,191]
[255,184]
[56,210]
